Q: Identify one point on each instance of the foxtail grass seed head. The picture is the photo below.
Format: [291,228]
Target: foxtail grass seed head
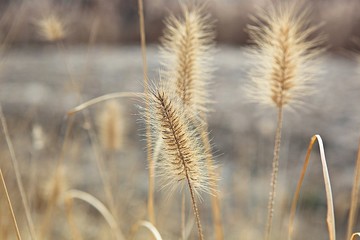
[183,155]
[51,28]
[110,121]
[284,55]
[186,55]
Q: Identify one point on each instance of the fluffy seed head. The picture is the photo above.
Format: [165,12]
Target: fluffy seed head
[111,128]
[284,55]
[182,156]
[186,56]
[51,28]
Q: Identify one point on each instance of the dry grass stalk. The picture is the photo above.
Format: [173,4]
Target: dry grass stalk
[51,28]
[354,197]
[285,67]
[182,157]
[149,226]
[98,205]
[18,236]
[183,215]
[111,128]
[151,211]
[186,55]
[330,217]
[19,182]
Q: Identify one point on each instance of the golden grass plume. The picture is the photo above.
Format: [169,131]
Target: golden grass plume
[182,156]
[51,28]
[186,53]
[284,53]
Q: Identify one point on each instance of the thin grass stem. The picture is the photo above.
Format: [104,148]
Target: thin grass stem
[196,210]
[274,174]
[215,200]
[149,226]
[10,206]
[183,206]
[103,98]
[151,166]
[19,182]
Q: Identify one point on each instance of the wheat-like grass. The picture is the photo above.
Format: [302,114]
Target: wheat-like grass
[183,157]
[284,66]
[186,56]
[284,55]
[182,153]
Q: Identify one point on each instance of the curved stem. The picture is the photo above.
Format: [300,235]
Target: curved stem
[330,218]
[102,99]
[146,225]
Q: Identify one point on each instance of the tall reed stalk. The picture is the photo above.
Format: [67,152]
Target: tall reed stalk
[284,55]
[151,212]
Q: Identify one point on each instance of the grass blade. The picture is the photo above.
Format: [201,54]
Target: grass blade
[10,206]
[330,205]
[147,225]
[86,197]
[102,98]
[354,197]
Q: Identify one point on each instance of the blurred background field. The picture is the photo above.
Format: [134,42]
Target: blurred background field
[40,82]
